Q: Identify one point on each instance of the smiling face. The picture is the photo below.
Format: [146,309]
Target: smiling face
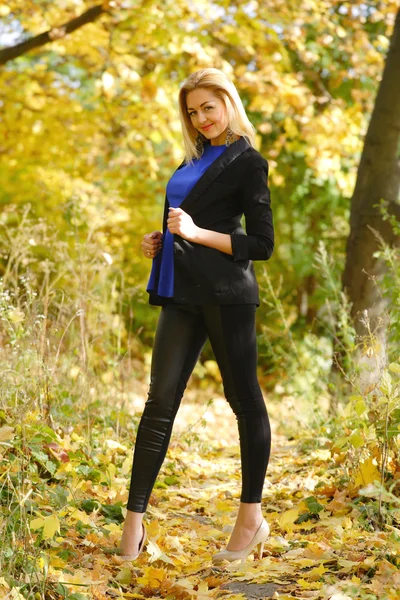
[208,115]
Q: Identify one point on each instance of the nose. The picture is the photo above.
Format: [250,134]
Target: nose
[202,117]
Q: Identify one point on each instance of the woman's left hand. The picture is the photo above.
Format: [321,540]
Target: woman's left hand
[181,223]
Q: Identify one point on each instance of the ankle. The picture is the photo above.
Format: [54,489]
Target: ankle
[134,519]
[249,522]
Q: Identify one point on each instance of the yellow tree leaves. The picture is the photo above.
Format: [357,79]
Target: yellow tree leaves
[99,105]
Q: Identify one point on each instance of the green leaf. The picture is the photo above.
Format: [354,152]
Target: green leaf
[313,505]
[171,479]
[360,407]
[112,512]
[90,505]
[356,440]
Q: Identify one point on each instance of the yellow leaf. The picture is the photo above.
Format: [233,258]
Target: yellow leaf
[317,572]
[287,519]
[223,506]
[74,371]
[112,528]
[323,454]
[111,471]
[216,534]
[37,523]
[57,562]
[154,550]
[360,407]
[50,525]
[15,595]
[124,576]
[6,433]
[154,529]
[152,577]
[305,562]
[3,584]
[107,377]
[156,553]
[80,515]
[79,578]
[290,127]
[213,369]
[126,466]
[15,315]
[356,440]
[369,561]
[367,473]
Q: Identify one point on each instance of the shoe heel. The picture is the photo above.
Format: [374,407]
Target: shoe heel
[261,550]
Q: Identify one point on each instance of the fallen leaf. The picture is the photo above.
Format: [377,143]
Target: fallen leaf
[50,524]
[6,433]
[287,519]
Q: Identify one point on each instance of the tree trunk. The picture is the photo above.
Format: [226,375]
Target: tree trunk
[378,178]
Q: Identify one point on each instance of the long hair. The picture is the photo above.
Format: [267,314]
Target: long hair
[222,86]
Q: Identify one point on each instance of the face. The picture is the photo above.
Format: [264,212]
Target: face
[207,113]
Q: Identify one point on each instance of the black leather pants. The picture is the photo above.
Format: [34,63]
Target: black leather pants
[181,333]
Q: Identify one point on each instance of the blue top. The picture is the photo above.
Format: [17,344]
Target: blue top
[178,187]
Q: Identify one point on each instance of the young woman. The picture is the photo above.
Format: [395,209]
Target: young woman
[203,278]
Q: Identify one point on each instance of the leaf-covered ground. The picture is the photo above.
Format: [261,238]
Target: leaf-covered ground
[71,498]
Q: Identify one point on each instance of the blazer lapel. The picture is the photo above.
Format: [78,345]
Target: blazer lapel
[215,169]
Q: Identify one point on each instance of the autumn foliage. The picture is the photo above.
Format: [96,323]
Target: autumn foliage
[89,135]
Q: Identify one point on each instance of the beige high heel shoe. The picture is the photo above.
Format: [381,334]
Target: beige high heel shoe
[122,557]
[259,538]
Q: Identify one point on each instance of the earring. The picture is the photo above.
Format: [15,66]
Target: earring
[230,137]
[200,143]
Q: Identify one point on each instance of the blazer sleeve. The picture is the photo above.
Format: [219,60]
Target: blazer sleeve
[255,198]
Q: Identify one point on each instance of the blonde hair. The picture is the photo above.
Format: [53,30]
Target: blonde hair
[216,81]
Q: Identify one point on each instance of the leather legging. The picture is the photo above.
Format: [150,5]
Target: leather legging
[181,333]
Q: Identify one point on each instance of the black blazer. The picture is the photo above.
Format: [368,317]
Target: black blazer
[236,183]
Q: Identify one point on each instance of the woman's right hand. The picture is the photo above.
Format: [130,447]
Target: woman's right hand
[152,243]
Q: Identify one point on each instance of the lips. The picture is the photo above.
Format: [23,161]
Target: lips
[206,128]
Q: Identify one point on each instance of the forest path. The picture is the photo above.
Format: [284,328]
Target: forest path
[318,547]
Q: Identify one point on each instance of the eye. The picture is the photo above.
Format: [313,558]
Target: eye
[191,114]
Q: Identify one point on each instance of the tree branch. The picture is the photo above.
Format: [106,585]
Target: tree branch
[7,54]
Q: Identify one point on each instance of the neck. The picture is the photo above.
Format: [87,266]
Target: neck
[219,140]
